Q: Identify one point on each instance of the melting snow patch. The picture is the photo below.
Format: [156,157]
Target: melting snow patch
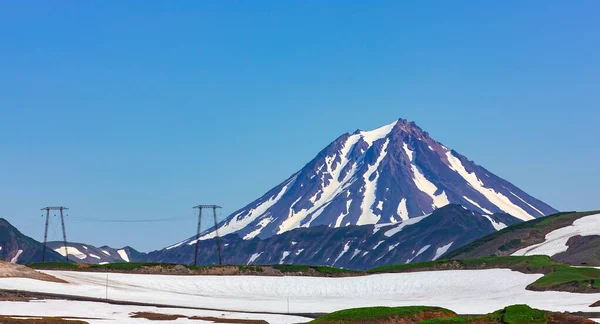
[424,184]
[106,252]
[285,255]
[496,198]
[402,211]
[556,241]
[497,225]
[95,256]
[170,247]
[299,251]
[397,228]
[123,255]
[378,244]
[85,247]
[476,205]
[528,204]
[72,251]
[346,247]
[441,250]
[340,218]
[379,133]
[335,186]
[393,246]
[263,223]
[370,189]
[254,257]
[356,252]
[16,257]
[423,249]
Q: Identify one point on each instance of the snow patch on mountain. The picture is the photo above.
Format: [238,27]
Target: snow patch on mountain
[253,257]
[368,216]
[528,204]
[556,241]
[72,251]
[344,250]
[123,255]
[425,185]
[497,225]
[284,256]
[477,205]
[402,211]
[16,257]
[498,199]
[423,249]
[441,250]
[397,228]
[371,136]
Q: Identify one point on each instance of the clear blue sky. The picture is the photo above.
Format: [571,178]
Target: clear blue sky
[138,109]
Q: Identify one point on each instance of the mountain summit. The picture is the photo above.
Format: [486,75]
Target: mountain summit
[387,175]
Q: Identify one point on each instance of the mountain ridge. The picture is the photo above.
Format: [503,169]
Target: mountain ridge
[16,247]
[356,247]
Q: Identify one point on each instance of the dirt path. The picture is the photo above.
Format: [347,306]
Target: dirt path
[11,270]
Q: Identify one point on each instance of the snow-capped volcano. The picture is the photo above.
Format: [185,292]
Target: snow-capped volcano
[386,175]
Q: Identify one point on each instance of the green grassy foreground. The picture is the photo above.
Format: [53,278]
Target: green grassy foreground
[374,313]
[516,314]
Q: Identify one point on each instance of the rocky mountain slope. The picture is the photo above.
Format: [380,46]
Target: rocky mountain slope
[85,253]
[16,247]
[394,173]
[570,237]
[355,247]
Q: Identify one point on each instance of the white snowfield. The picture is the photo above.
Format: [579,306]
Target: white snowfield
[463,291]
[556,241]
[102,313]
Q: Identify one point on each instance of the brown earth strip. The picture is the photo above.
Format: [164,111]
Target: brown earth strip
[4,319]
[228,320]
[156,316]
[11,270]
[562,318]
[171,317]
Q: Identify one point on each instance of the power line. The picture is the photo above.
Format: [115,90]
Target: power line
[106,220]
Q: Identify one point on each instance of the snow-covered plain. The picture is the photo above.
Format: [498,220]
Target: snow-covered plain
[98,313]
[463,291]
[556,241]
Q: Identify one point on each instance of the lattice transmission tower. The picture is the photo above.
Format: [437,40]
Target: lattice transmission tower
[62,221]
[214,208]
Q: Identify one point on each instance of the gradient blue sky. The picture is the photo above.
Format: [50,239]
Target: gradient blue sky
[137,109]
